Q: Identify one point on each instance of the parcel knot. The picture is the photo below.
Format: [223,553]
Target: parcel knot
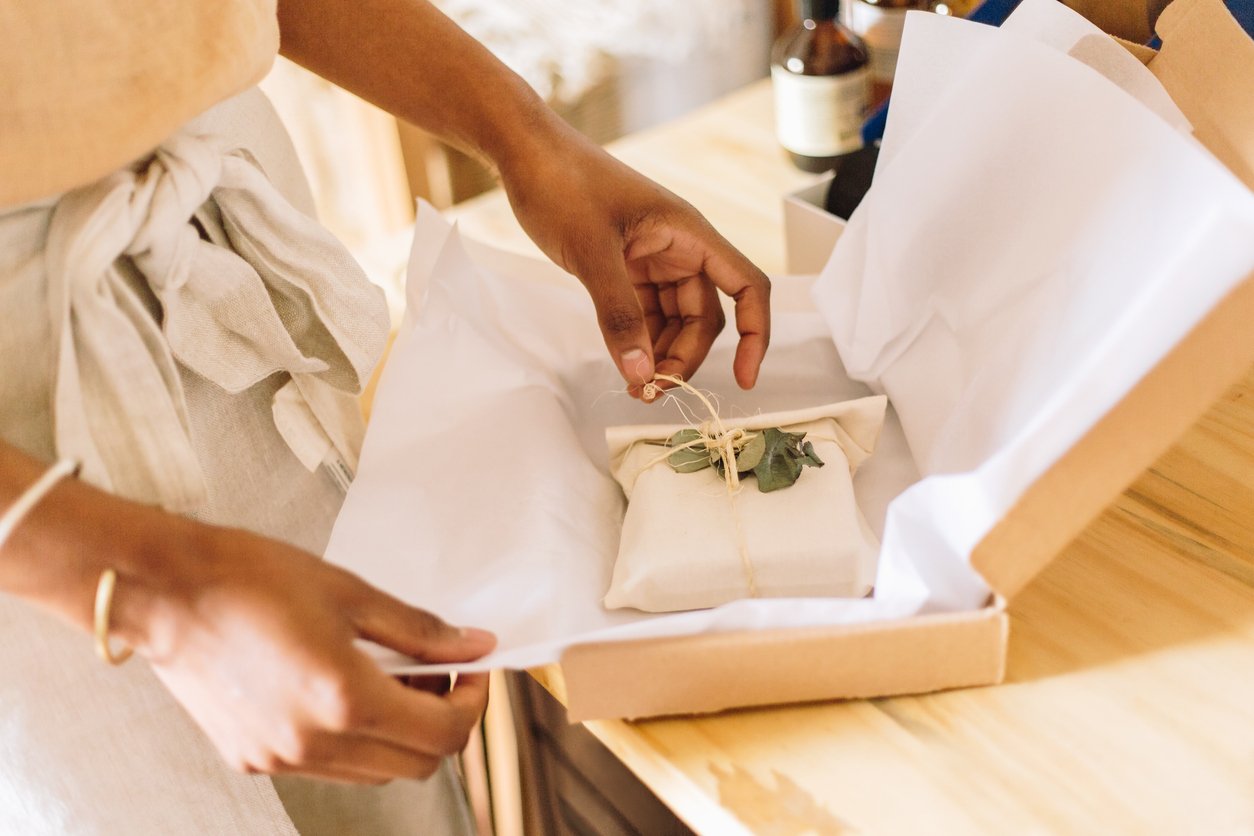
[711,435]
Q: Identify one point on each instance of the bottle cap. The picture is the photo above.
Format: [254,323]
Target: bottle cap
[819,9]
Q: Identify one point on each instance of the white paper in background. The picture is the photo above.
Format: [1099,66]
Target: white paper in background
[1066,30]
[483,493]
[936,48]
[1036,241]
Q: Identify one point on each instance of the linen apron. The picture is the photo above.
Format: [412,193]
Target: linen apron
[86,748]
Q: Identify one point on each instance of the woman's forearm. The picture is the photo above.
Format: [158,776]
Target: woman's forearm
[410,59]
[631,243]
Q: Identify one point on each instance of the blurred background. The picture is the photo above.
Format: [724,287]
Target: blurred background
[609,68]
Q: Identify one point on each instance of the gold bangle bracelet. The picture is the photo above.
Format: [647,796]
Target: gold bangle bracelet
[104,603]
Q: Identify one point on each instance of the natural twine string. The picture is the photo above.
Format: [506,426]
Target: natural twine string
[713,435]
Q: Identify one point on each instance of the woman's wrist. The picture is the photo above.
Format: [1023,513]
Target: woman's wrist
[528,134]
[157,568]
[57,553]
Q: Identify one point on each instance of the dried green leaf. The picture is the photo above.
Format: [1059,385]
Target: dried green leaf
[778,467]
[811,458]
[749,456]
[687,459]
[774,456]
[683,437]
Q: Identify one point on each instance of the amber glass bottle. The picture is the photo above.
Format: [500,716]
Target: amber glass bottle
[880,23]
[821,82]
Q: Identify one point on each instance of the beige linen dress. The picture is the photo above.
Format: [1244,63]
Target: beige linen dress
[90,749]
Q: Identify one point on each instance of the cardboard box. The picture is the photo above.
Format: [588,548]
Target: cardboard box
[810,231]
[1203,62]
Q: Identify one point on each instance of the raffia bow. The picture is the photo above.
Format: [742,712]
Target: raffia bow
[713,435]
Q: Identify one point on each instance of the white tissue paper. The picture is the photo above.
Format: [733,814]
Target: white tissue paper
[484,493]
[1036,239]
[1040,233]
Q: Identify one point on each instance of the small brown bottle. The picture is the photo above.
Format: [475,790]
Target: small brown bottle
[880,23]
[821,81]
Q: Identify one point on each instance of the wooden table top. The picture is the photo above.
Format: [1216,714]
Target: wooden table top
[1129,701]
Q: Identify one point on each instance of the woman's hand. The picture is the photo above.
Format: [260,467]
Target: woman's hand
[651,262]
[254,637]
[257,643]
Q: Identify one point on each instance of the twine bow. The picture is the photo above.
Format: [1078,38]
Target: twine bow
[713,435]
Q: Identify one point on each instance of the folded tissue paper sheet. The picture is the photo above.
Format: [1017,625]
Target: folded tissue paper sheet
[1042,230]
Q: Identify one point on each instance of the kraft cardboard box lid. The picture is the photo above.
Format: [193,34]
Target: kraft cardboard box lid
[1206,64]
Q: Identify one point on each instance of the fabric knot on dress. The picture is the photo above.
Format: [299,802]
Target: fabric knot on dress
[247,287]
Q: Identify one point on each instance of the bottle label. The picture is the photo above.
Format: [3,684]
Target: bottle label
[820,115]
[881,29]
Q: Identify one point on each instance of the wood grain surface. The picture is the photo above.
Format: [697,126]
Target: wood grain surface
[1129,705]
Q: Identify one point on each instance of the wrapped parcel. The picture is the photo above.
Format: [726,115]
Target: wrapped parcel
[689,541]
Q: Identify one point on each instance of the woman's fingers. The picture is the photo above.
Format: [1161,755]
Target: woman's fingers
[655,317]
[388,621]
[673,321]
[686,260]
[422,722]
[381,730]
[357,759]
[378,706]
[736,276]
[701,320]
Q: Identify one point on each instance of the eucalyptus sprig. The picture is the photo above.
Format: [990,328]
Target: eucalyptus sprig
[774,456]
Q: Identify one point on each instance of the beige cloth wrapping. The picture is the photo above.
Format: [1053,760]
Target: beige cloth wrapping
[87,87]
[685,540]
[89,749]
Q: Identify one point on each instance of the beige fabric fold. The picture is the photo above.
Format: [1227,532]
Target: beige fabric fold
[247,287]
[87,87]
